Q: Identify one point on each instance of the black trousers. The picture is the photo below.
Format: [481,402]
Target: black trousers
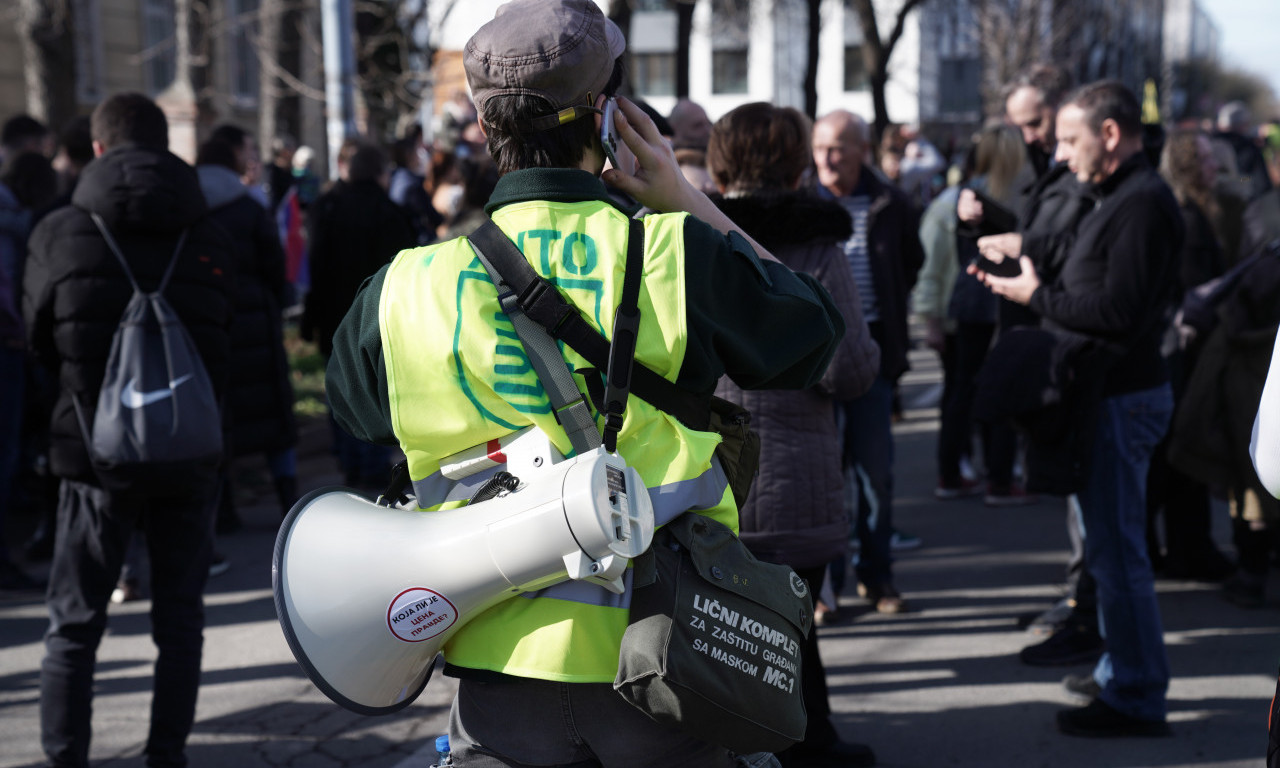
[94,527]
[962,359]
[819,733]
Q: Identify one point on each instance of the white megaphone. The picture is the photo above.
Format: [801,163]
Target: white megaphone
[367,594]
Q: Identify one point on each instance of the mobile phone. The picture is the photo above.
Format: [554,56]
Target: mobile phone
[609,133]
[1009,267]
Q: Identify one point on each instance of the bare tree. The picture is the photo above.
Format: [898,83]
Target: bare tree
[395,45]
[45,28]
[620,13]
[876,52]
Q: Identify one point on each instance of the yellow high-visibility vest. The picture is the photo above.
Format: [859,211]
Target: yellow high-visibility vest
[458,377]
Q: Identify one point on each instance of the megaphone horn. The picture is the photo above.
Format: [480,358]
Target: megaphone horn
[367,595]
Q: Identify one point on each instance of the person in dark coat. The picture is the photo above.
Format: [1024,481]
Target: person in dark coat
[885,255]
[75,292]
[1188,551]
[795,514]
[259,405]
[354,230]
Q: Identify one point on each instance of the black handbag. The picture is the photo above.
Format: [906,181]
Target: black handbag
[715,639]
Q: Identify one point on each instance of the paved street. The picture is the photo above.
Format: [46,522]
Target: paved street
[938,686]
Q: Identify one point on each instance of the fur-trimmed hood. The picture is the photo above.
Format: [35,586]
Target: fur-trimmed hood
[780,219]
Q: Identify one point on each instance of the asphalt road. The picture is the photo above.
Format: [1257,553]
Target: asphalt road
[939,685]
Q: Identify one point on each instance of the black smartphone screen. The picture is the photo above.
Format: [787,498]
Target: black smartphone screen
[1009,267]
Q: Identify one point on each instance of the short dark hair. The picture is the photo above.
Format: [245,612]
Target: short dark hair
[404,151]
[1051,81]
[233,135]
[758,146]
[31,179]
[1108,100]
[19,129]
[76,141]
[367,163]
[217,152]
[129,118]
[514,145]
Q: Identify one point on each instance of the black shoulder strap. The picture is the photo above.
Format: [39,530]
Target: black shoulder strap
[543,303]
[115,249]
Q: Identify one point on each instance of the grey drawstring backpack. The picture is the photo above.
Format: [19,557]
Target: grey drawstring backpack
[157,413]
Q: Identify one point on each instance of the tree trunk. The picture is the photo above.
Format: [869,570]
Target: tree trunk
[270,87]
[811,64]
[684,33]
[876,53]
[620,14]
[48,60]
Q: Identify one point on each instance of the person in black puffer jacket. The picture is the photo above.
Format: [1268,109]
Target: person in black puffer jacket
[259,405]
[75,292]
[795,514]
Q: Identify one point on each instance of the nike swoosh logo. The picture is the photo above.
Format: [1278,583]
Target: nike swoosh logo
[132,398]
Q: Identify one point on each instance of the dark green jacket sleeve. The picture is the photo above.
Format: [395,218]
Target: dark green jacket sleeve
[758,322]
[356,378]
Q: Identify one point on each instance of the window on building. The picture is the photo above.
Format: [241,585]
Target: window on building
[654,73]
[159,57]
[729,71]
[730,39]
[855,69]
[242,52]
[960,84]
[89,66]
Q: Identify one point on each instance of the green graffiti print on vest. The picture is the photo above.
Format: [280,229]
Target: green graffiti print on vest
[514,351]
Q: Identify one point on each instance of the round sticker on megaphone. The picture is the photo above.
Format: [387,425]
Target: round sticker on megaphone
[418,614]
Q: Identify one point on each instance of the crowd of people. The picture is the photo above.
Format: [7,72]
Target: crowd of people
[1103,296]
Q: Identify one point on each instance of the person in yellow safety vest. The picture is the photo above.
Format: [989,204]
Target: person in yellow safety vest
[426,360]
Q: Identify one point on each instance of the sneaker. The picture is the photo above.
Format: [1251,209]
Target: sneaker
[948,491]
[1009,496]
[126,591]
[1098,719]
[900,540]
[219,566]
[1049,621]
[1073,644]
[884,598]
[1082,687]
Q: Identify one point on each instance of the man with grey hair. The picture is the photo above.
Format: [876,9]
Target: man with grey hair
[1242,170]
[885,255]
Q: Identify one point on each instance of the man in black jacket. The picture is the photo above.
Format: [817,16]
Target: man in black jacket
[1113,290]
[885,255]
[75,294]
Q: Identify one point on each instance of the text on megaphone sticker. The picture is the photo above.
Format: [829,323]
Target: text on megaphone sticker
[418,614]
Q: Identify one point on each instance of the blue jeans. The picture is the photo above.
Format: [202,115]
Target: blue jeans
[1134,672]
[868,449]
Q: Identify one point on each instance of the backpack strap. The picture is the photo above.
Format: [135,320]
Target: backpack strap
[540,300]
[114,247]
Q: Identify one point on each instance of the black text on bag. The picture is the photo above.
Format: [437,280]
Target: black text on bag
[157,411]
